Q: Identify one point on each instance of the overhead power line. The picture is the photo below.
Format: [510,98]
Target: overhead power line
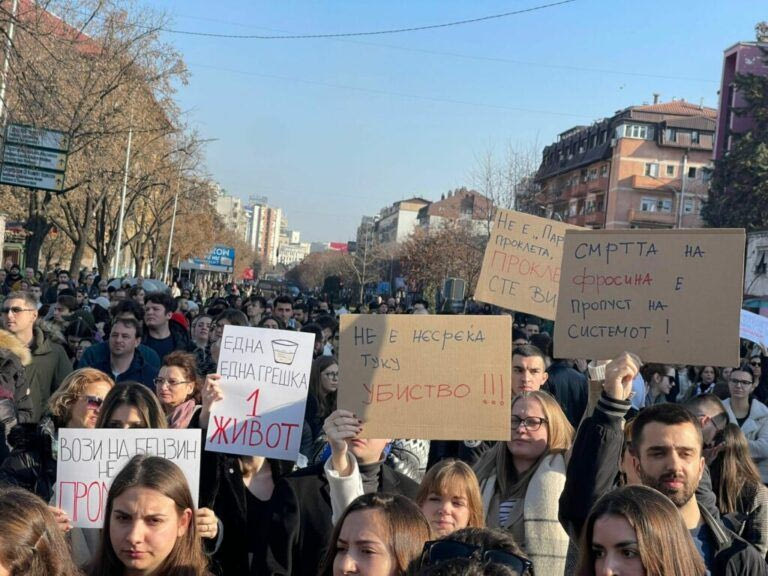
[369,33]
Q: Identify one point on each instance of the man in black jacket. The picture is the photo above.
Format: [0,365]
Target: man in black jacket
[300,511]
[666,447]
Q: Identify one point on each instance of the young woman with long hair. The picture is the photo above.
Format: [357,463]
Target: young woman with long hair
[636,530]
[31,543]
[378,535]
[521,480]
[321,401]
[741,495]
[149,523]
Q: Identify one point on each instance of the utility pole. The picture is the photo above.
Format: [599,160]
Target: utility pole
[173,226]
[115,267]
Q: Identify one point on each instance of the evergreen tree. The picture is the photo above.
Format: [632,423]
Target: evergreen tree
[738,196]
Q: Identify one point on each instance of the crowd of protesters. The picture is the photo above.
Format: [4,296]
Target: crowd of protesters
[614,467]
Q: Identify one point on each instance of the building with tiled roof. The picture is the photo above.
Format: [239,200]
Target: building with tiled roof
[458,206]
[644,167]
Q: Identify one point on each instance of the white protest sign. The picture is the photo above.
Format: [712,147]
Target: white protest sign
[89,459]
[754,327]
[264,379]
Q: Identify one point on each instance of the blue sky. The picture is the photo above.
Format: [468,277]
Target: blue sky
[334,129]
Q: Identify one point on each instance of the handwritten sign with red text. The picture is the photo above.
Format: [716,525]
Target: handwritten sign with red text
[264,379]
[521,266]
[670,296]
[431,377]
[89,459]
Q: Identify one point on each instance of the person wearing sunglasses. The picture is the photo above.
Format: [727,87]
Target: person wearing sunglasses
[177,387]
[378,535]
[49,364]
[474,551]
[750,415]
[634,531]
[521,480]
[76,404]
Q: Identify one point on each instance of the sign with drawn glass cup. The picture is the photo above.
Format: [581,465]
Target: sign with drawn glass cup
[670,296]
[264,380]
[521,266]
[430,377]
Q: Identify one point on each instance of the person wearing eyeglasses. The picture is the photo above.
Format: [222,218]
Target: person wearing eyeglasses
[177,387]
[750,415]
[321,402]
[50,363]
[521,480]
[635,530]
[475,551]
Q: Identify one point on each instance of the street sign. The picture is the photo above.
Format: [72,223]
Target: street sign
[31,178]
[37,137]
[219,259]
[34,158]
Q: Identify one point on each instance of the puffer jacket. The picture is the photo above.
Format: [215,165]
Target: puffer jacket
[32,464]
[15,401]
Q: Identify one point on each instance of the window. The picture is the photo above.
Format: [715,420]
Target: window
[671,135]
[637,131]
[593,173]
[584,175]
[670,170]
[689,205]
[664,205]
[573,208]
[648,205]
[652,169]
[603,137]
[604,170]
[695,137]
[692,172]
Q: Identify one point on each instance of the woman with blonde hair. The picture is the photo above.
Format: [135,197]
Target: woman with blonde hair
[449,495]
[521,480]
[31,543]
[637,530]
[75,404]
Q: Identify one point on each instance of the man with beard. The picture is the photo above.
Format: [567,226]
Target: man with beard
[667,454]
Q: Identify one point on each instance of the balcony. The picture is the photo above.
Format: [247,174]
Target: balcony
[594,218]
[652,219]
[654,183]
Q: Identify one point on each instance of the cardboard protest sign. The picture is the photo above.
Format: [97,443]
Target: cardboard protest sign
[657,293]
[754,327]
[264,379]
[89,459]
[521,266]
[431,377]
